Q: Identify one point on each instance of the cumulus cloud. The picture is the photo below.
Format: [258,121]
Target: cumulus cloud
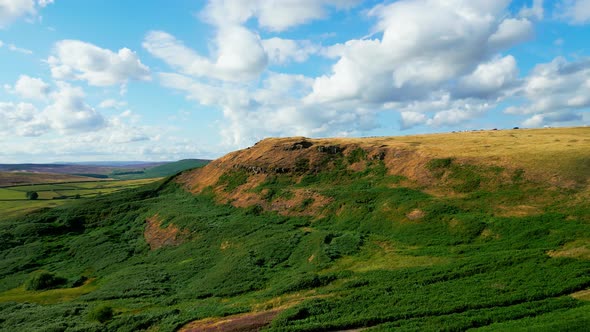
[31,88]
[239,54]
[69,113]
[575,11]
[281,51]
[437,63]
[424,45]
[20,119]
[560,85]
[511,32]
[271,15]
[78,60]
[11,10]
[489,79]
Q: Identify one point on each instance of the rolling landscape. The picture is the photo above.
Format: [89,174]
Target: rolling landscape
[294,165]
[56,184]
[482,230]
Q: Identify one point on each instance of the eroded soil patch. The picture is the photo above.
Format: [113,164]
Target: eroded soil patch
[252,321]
[158,237]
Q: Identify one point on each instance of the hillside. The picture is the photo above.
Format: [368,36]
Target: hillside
[486,230]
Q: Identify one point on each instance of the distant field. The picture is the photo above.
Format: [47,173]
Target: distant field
[13,199]
[18,178]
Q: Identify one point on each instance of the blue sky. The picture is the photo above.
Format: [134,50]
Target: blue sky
[165,80]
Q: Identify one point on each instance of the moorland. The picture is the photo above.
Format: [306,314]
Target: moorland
[484,230]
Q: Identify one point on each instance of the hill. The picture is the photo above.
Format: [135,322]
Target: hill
[163,170]
[478,230]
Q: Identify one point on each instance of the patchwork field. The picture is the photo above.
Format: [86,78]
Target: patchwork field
[13,200]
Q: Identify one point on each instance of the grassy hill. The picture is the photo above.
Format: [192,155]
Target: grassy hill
[480,230]
[160,170]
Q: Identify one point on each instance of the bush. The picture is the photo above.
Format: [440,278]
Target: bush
[44,280]
[102,314]
[32,195]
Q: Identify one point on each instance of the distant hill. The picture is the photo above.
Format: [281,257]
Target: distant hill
[12,174]
[160,170]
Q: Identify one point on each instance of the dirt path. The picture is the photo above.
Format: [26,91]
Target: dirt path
[252,321]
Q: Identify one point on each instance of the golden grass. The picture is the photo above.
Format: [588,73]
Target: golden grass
[49,296]
[381,255]
[579,249]
[583,295]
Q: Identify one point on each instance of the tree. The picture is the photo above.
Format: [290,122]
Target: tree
[32,195]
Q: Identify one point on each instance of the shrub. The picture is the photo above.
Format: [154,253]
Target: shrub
[102,313]
[44,280]
[32,195]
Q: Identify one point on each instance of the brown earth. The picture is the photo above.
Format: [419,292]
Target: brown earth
[252,321]
[158,237]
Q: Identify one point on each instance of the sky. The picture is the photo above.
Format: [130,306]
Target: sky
[155,80]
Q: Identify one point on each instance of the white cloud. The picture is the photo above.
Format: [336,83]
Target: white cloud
[281,51]
[412,119]
[271,15]
[536,11]
[11,10]
[438,63]
[575,11]
[556,86]
[77,60]
[69,113]
[112,103]
[554,118]
[31,88]
[20,119]
[489,79]
[239,54]
[511,32]
[14,48]
[425,44]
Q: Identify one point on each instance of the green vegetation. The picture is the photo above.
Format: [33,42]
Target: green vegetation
[233,179]
[158,171]
[361,262]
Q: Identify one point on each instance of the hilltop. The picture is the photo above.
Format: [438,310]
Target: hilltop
[441,164]
[486,230]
